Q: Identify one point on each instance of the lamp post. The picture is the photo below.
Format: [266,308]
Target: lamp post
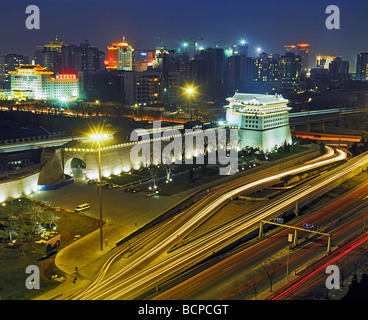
[98,137]
[98,107]
[190,91]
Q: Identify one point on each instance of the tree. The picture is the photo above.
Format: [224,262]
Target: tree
[253,281]
[270,268]
[40,229]
[168,169]
[51,218]
[364,139]
[154,174]
[11,231]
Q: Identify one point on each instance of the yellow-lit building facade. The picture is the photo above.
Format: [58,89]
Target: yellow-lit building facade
[34,82]
[119,57]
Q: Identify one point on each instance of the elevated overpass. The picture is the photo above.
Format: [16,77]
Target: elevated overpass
[306,118]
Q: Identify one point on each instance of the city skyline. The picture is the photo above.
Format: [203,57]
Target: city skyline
[141,20]
[199,152]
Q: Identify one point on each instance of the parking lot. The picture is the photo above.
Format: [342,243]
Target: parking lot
[128,209]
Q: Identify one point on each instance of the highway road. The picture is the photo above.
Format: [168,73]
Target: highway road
[125,282]
[244,273]
[311,283]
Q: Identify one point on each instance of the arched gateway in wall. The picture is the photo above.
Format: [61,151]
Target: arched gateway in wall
[116,159]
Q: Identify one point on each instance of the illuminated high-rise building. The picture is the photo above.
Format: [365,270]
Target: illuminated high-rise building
[303,53]
[119,57]
[290,72]
[323,62]
[55,45]
[290,48]
[301,50]
[35,82]
[152,88]
[265,68]
[49,55]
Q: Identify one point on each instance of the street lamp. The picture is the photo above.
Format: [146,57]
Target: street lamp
[97,102]
[99,137]
[190,91]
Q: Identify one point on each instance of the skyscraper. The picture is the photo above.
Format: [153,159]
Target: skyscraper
[303,53]
[237,72]
[151,88]
[49,55]
[8,63]
[290,72]
[323,62]
[120,56]
[290,48]
[208,70]
[362,67]
[76,58]
[339,69]
[265,68]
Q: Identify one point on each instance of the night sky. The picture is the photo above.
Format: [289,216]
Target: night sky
[268,24]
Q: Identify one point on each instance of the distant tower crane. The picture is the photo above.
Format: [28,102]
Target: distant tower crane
[195,39]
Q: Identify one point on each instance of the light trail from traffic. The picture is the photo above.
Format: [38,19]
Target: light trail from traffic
[327,136]
[309,278]
[105,287]
[231,265]
[316,219]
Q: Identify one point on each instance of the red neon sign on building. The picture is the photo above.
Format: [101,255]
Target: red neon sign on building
[66,77]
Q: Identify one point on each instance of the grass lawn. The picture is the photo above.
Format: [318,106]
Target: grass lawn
[282,154]
[183,181]
[230,211]
[14,259]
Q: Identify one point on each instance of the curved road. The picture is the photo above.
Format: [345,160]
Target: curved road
[131,278]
